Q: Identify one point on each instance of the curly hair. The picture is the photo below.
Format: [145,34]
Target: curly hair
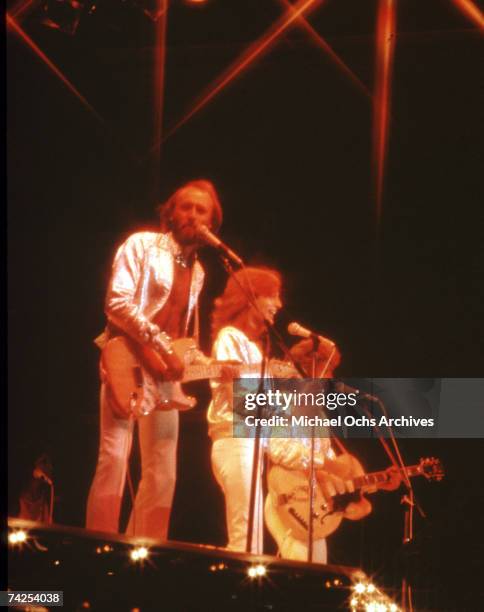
[260,281]
[165,209]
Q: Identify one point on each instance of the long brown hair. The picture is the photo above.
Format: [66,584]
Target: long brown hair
[233,301]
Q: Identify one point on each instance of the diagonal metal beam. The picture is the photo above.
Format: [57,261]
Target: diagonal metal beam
[14,26]
[20,8]
[246,59]
[471,11]
[322,44]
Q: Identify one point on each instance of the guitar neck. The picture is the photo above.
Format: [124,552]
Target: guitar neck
[200,372]
[376,478]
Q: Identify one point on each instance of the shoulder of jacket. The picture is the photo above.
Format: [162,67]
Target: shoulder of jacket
[230,332]
[141,240]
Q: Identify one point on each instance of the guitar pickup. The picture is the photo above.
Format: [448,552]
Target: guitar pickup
[138,376]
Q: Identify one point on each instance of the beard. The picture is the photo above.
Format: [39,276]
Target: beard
[186,234]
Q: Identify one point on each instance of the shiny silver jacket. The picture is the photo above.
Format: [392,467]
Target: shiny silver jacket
[141,282]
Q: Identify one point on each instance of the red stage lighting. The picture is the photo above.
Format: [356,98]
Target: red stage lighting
[386,31]
[470,10]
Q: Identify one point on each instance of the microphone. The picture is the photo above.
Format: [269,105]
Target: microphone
[298,330]
[212,240]
[341,387]
[39,474]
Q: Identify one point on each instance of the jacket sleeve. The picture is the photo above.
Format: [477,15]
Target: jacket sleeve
[229,347]
[120,306]
[295,454]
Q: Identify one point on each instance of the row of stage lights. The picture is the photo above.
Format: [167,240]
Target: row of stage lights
[137,554]
[365,597]
[368,598]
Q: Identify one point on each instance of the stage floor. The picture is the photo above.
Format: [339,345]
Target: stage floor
[96,571]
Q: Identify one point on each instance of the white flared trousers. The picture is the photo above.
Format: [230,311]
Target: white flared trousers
[232,460]
[158,436]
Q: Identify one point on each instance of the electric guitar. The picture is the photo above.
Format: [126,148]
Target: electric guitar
[134,375]
[289,492]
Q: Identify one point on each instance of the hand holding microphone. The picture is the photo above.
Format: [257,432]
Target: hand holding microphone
[323,348]
[298,330]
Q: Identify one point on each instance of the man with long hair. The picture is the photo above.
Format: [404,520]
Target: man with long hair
[238,329]
[151,300]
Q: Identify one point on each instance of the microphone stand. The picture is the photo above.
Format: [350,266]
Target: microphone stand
[312,479]
[312,472]
[256,477]
[410,502]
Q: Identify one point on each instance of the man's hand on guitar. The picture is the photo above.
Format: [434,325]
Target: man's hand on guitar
[394,479]
[344,468]
[174,367]
[229,371]
[332,485]
[357,510]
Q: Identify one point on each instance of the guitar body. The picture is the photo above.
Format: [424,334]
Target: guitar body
[124,377]
[287,505]
[289,491]
[133,376]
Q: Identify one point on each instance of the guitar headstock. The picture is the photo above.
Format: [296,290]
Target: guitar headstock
[431,468]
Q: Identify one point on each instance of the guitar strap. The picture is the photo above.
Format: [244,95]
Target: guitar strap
[383,442]
[343,450]
[196,324]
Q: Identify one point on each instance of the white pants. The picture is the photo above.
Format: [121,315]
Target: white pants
[158,435]
[232,460]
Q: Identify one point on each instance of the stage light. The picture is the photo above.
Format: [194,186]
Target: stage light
[17,537]
[252,572]
[140,553]
[260,570]
[368,598]
[196,2]
[63,15]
